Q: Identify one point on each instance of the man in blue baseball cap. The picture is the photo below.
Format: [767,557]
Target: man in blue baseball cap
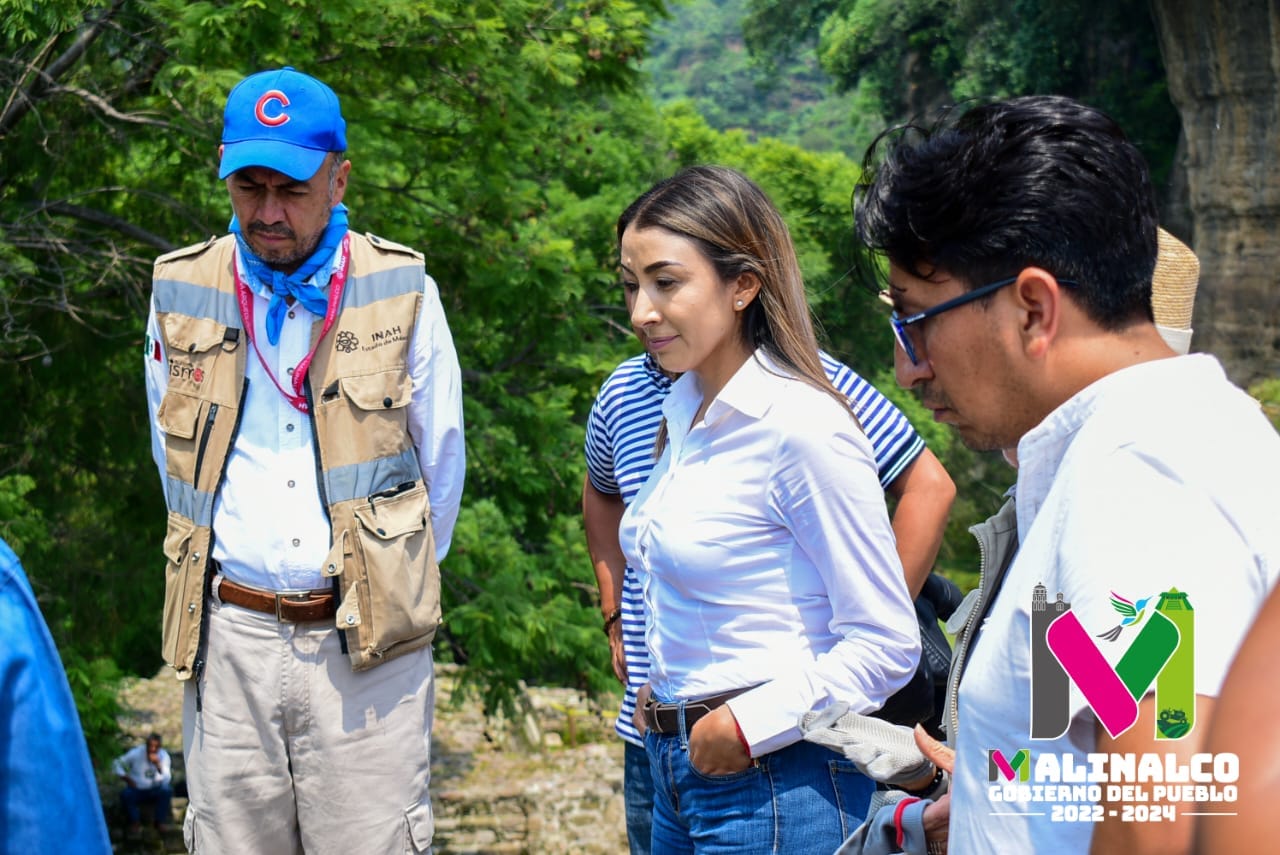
[305,401]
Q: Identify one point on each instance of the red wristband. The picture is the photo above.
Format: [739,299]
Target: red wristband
[746,746]
[900,834]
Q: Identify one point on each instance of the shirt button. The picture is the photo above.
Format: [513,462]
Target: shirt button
[293,483]
[290,372]
[289,427]
[297,542]
[292,314]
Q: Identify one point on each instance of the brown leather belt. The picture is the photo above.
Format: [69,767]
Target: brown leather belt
[293,607]
[665,718]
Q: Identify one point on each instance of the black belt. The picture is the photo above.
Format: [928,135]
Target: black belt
[665,718]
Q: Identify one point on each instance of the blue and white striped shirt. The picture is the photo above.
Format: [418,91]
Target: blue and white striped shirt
[621,432]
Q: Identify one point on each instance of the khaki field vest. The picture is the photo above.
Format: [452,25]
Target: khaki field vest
[382,559]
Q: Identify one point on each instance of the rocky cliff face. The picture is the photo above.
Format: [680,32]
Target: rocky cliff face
[1223,63]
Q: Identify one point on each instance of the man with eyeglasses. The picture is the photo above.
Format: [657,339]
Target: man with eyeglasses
[1020,239]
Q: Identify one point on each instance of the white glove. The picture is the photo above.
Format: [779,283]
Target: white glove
[882,751]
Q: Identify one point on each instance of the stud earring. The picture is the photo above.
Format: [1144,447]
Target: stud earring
[739,304]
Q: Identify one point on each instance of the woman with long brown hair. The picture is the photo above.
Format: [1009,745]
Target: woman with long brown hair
[762,541]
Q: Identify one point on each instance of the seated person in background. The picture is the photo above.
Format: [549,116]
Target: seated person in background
[147,777]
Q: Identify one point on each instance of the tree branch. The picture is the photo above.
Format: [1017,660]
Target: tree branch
[22,101]
[124,227]
[105,106]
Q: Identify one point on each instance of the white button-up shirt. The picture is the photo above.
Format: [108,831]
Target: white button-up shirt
[272,530]
[766,557]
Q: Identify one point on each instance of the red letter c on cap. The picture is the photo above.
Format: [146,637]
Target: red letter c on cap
[260,109]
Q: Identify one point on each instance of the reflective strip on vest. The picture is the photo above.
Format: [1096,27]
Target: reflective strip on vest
[380,285]
[196,301]
[183,498]
[344,483]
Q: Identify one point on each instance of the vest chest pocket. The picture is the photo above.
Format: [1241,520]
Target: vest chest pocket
[398,582]
[193,347]
[384,390]
[368,418]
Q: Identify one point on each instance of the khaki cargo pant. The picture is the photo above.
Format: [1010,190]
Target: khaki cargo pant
[293,752]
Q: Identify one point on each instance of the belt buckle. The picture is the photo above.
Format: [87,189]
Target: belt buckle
[281,598]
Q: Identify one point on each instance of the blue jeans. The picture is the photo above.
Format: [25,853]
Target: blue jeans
[637,791]
[798,800]
[160,797]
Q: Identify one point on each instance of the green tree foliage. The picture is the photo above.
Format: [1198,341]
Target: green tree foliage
[703,53]
[500,138]
[496,137]
[1106,54]
[774,28]
[94,682]
[95,685]
[22,526]
[1268,394]
[903,58]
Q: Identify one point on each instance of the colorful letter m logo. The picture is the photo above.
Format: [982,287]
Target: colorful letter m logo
[1000,770]
[1160,656]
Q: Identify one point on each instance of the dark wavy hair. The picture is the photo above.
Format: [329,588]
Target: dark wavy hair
[1039,181]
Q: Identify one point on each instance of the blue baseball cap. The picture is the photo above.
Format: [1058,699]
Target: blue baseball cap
[283,120]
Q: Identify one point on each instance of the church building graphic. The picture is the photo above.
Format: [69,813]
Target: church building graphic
[1051,700]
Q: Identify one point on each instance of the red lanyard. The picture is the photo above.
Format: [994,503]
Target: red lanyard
[337,281]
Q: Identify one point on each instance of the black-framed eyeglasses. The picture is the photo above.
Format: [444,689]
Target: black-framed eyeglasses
[900,324]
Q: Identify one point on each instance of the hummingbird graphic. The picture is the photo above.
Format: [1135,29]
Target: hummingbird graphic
[1130,614]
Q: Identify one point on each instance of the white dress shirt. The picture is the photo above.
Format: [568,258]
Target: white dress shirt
[272,532]
[766,557]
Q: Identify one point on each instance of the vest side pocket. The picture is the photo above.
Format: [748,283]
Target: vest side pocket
[397,580]
[177,574]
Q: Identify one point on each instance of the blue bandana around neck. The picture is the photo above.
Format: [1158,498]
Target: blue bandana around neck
[311,296]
